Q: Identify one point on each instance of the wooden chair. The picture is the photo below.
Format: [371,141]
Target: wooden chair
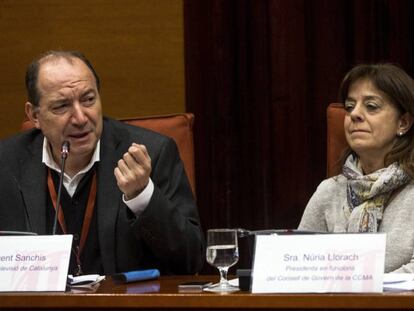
[178,126]
[336,142]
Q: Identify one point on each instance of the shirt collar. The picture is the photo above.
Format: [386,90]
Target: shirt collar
[47,158]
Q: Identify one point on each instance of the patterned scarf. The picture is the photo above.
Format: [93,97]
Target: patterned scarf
[367,195]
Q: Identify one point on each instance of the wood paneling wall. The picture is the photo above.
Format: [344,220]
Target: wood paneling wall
[136,47]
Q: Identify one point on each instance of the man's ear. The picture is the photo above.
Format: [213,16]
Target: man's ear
[406,121]
[32,113]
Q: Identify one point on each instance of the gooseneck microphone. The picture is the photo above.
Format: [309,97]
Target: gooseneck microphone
[64,154]
[241,233]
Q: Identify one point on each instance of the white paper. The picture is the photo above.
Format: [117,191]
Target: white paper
[399,281]
[319,263]
[87,281]
[34,263]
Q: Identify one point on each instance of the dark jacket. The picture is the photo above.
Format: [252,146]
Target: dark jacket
[167,235]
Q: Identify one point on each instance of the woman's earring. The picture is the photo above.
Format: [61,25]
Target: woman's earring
[401,133]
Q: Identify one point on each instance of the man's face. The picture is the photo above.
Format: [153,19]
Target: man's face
[69,107]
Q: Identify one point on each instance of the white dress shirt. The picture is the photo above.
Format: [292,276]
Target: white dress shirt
[137,205]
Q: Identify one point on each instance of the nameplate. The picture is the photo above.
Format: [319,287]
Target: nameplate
[34,263]
[319,263]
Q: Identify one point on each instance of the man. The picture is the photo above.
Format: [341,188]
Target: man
[126,198]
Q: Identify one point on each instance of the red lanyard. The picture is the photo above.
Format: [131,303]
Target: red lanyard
[86,220]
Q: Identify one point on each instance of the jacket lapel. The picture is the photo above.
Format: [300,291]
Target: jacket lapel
[108,196]
[33,186]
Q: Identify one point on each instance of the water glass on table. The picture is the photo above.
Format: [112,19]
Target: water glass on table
[222,253]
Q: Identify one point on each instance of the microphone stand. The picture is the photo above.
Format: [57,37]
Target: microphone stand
[64,154]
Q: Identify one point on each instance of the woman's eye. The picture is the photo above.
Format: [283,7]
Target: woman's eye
[372,106]
[349,106]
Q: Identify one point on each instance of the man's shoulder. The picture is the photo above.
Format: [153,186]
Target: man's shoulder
[20,148]
[22,140]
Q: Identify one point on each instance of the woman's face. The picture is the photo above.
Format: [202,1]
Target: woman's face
[372,123]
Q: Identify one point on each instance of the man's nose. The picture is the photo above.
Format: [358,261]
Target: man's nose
[78,115]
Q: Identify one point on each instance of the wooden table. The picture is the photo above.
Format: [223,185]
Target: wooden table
[163,293]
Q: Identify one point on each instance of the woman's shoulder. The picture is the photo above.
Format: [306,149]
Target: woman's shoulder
[332,183]
[408,189]
[330,190]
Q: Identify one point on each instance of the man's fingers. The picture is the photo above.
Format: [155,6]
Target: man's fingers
[140,154]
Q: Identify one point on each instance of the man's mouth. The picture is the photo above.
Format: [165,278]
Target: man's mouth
[78,135]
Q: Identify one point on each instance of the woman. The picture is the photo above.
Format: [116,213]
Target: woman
[375,191]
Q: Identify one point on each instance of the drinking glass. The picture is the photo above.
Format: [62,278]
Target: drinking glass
[222,253]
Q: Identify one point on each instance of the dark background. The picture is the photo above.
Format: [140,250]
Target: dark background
[259,76]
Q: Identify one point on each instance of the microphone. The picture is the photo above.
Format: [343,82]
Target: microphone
[64,154]
[242,233]
[65,149]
